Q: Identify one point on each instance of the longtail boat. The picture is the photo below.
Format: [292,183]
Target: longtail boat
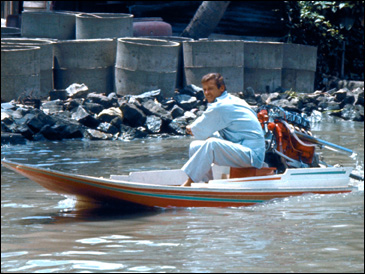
[292,168]
[161,188]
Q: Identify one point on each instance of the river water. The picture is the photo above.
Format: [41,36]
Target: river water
[43,232]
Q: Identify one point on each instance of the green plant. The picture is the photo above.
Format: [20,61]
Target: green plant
[337,29]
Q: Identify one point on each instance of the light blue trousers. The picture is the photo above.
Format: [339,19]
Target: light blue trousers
[218,151]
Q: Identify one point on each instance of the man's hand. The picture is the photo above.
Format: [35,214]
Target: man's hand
[188,130]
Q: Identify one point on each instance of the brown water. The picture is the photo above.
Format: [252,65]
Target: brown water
[43,232]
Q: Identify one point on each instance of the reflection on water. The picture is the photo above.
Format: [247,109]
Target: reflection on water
[46,232]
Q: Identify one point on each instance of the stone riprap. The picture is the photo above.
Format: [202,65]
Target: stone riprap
[68,115]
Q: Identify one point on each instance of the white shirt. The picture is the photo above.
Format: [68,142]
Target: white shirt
[234,120]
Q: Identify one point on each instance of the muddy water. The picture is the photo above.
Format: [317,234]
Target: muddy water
[43,232]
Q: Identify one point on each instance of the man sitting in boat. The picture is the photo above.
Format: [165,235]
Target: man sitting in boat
[228,133]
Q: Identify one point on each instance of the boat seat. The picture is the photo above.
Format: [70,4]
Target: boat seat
[241,172]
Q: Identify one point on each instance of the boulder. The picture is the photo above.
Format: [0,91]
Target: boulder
[101,99]
[107,115]
[39,120]
[129,133]
[107,128]
[93,108]
[186,101]
[151,107]
[85,118]
[133,115]
[94,134]
[194,91]
[149,95]
[154,124]
[176,111]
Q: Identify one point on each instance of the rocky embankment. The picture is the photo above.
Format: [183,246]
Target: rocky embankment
[76,113]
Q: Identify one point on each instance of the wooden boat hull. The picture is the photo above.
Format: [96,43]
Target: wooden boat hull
[87,188]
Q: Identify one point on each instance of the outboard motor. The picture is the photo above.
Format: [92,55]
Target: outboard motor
[284,148]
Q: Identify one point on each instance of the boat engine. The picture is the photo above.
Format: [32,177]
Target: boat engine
[284,148]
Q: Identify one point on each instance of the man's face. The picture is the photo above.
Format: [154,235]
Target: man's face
[211,91]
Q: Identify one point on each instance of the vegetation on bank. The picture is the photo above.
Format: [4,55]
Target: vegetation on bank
[337,29]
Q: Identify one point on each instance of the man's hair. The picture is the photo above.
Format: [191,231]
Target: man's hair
[219,81]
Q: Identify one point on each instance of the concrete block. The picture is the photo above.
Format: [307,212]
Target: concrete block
[86,53]
[218,53]
[20,72]
[144,64]
[298,80]
[263,55]
[262,80]
[103,25]
[57,25]
[100,80]
[138,81]
[300,57]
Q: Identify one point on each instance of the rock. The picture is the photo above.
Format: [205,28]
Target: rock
[72,104]
[107,128]
[186,101]
[77,90]
[39,120]
[359,96]
[107,115]
[341,94]
[190,116]
[333,106]
[168,104]
[71,131]
[6,118]
[194,91]
[60,94]
[94,134]
[251,101]
[272,97]
[259,100]
[308,108]
[51,132]
[85,118]
[350,84]
[354,113]
[93,108]
[54,106]
[249,92]
[129,133]
[285,104]
[133,115]
[151,107]
[176,111]
[104,101]
[149,95]
[24,130]
[154,124]
[117,122]
[178,126]
[8,105]
[65,127]
[97,116]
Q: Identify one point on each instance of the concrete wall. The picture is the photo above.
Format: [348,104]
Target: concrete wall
[264,66]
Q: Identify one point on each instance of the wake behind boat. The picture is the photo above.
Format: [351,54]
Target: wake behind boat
[292,168]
